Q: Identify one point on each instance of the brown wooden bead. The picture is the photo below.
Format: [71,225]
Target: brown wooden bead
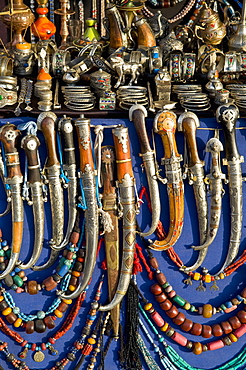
[197,348]
[156,289]
[166,305]
[196,329]
[207,311]
[235,322]
[74,237]
[62,307]
[217,330]
[64,253]
[73,280]
[153,263]
[173,312]
[40,326]
[70,255]
[161,297]
[243,293]
[3,305]
[21,274]
[187,325]
[161,278]
[32,287]
[226,327]
[49,322]
[11,318]
[30,327]
[179,319]
[242,316]
[50,283]
[206,331]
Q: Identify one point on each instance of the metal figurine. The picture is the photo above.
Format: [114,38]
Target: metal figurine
[66,129]
[214,179]
[88,181]
[9,136]
[46,123]
[111,238]
[64,13]
[137,114]
[126,184]
[165,126]
[188,123]
[227,115]
[30,144]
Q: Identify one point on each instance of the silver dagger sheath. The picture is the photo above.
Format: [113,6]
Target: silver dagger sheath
[66,128]
[137,114]
[214,179]
[46,123]
[30,144]
[87,175]
[227,115]
[9,136]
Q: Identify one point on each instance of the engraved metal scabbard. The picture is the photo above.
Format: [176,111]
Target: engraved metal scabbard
[137,114]
[165,126]
[126,184]
[88,180]
[214,179]
[227,115]
[9,136]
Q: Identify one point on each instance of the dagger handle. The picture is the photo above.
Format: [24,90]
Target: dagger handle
[48,128]
[189,127]
[85,151]
[227,115]
[165,126]
[108,169]
[30,144]
[138,119]
[9,136]
[66,129]
[123,154]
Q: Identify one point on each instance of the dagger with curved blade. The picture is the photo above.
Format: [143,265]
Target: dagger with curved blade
[227,115]
[111,238]
[214,146]
[30,144]
[88,179]
[66,128]
[137,114]
[46,123]
[9,137]
[165,126]
[126,184]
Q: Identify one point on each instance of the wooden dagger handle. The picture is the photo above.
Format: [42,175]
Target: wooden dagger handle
[30,144]
[48,128]
[123,153]
[85,151]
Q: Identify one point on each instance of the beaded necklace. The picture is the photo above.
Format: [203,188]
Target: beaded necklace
[181,14]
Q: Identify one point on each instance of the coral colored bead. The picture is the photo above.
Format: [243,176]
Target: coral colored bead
[52,340]
[187,325]
[166,305]
[156,289]
[234,321]
[148,306]
[72,288]
[161,278]
[226,327]
[206,331]
[18,323]
[160,298]
[164,327]
[80,259]
[43,347]
[240,331]
[179,319]
[24,343]
[33,347]
[242,316]
[74,237]
[232,337]
[217,330]
[69,255]
[180,339]
[173,312]
[7,311]
[215,345]
[42,11]
[172,294]
[158,320]
[197,348]
[196,276]
[32,287]
[230,309]
[196,329]
[58,313]
[153,263]
[207,311]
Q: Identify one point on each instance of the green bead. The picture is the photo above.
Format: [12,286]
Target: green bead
[165,285]
[1,97]
[61,262]
[67,263]
[179,300]
[223,307]
[8,253]
[18,281]
[2,253]
[192,308]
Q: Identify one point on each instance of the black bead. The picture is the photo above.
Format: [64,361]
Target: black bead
[3,305]
[78,266]
[81,253]
[2,268]
[40,326]
[86,331]
[8,280]
[10,357]
[56,277]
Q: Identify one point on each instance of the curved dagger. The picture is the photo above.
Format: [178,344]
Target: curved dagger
[126,184]
[165,126]
[137,114]
[214,146]
[188,123]
[227,115]
[9,136]
[66,128]
[46,123]
[30,144]
[111,239]
[87,175]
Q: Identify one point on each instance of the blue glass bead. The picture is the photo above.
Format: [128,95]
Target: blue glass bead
[63,270]
[29,345]
[239,298]
[25,65]
[41,314]
[156,350]
[92,317]
[12,273]
[17,269]
[228,304]
[161,339]
[16,310]
[4,243]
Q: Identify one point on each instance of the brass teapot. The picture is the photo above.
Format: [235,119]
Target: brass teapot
[213,30]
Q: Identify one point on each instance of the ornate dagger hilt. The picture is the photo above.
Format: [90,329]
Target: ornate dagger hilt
[30,144]
[214,146]
[65,126]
